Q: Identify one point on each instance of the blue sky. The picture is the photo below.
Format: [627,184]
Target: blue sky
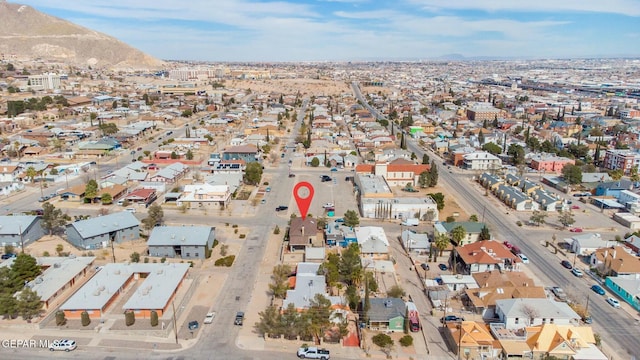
[344,30]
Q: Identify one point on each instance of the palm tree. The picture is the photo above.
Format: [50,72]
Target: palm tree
[31,173]
[442,242]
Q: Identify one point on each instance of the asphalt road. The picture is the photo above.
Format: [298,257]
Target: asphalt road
[616,328]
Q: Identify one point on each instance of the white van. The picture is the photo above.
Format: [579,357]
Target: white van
[411,222]
[131,210]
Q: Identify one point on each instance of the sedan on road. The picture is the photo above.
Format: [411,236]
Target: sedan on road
[577,272]
[443,267]
[566,264]
[597,289]
[613,302]
[282,208]
[576,230]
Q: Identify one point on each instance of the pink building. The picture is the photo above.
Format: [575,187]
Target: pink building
[550,163]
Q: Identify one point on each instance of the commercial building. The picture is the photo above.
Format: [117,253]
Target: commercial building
[99,232]
[186,242]
[625,160]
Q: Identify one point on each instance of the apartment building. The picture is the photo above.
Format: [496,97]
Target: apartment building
[550,163]
[623,160]
[46,81]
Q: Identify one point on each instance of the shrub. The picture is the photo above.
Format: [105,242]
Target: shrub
[129,318]
[225,261]
[223,250]
[191,263]
[163,260]
[215,243]
[234,226]
[266,183]
[235,231]
[85,320]
[60,318]
[146,260]
[46,254]
[242,236]
[154,318]
[406,340]
[135,257]
[276,231]
[519,223]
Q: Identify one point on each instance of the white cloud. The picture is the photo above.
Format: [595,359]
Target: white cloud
[623,7]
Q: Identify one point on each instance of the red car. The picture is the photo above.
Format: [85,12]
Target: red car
[507,245]
[575,207]
[575,230]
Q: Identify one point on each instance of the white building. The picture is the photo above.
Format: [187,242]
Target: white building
[481,161]
[46,81]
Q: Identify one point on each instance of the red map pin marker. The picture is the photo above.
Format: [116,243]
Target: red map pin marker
[303,193]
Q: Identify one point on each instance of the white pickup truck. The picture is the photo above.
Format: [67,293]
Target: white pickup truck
[313,353]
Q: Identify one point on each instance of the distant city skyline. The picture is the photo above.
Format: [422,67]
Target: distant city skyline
[357,30]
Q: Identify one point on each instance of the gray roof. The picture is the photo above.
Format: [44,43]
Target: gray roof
[171,171]
[513,194]
[544,198]
[386,309]
[11,225]
[60,271]
[413,240]
[544,308]
[308,284]
[471,227]
[105,224]
[153,293]
[179,235]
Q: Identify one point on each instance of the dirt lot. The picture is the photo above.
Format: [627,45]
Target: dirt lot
[49,244]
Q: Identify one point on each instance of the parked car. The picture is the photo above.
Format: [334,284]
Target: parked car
[313,353]
[613,302]
[577,272]
[597,289]
[566,264]
[239,318]
[575,207]
[409,189]
[334,169]
[282,208]
[263,201]
[328,205]
[193,325]
[208,319]
[64,345]
[443,267]
[576,230]
[325,178]
[292,175]
[450,318]
[524,258]
[559,293]
[507,244]
[8,256]
[268,189]
[339,220]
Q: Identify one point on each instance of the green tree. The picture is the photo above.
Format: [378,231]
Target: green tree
[473,218]
[135,257]
[90,191]
[350,267]
[424,179]
[425,159]
[106,199]
[280,281]
[572,174]
[384,342]
[315,162]
[291,322]
[492,148]
[155,216]
[24,269]
[458,233]
[517,154]
[52,218]
[108,128]
[318,317]
[253,173]
[270,322]
[538,217]
[566,218]
[439,199]
[351,218]
[29,304]
[484,234]
[616,174]
[433,174]
[189,155]
[442,242]
[85,319]
[31,173]
[396,291]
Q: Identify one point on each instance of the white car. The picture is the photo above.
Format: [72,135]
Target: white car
[524,258]
[66,345]
[576,272]
[328,205]
[613,302]
[209,318]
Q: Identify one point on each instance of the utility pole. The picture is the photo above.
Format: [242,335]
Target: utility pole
[21,239]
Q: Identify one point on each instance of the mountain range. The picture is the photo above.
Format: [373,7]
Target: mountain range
[28,33]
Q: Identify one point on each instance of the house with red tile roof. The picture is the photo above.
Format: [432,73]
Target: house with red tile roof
[396,173]
[486,255]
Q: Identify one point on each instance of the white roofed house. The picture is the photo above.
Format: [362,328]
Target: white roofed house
[373,242]
[171,173]
[414,242]
[205,195]
[585,244]
[99,232]
[186,242]
[520,313]
[307,284]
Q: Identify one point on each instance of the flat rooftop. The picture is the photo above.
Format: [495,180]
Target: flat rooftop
[154,292]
